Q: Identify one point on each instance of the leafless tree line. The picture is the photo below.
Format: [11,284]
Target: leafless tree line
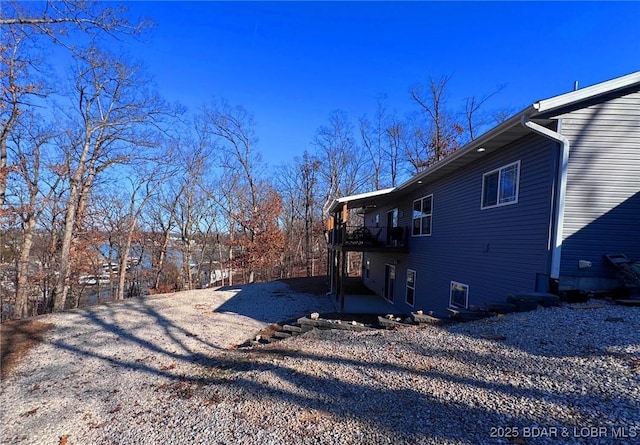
[108,190]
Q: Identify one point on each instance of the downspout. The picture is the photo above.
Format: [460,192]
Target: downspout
[557,230]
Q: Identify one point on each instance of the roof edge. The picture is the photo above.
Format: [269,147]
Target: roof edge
[589,92]
[350,198]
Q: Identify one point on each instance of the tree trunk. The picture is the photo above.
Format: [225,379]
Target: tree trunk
[163,255]
[22,290]
[122,272]
[64,268]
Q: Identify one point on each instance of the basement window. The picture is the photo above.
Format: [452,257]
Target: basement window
[411,287]
[459,295]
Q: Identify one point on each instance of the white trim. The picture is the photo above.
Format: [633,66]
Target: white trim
[499,170]
[415,278]
[430,215]
[556,248]
[365,195]
[350,198]
[466,286]
[587,93]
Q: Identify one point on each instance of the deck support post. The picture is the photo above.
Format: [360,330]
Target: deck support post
[343,271]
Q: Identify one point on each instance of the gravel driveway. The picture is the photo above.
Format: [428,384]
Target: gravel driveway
[157,371]
[104,359]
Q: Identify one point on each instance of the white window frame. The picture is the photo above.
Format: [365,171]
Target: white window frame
[412,287]
[500,172]
[427,215]
[466,295]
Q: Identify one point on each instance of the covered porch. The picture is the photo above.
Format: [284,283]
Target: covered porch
[354,228]
[358,299]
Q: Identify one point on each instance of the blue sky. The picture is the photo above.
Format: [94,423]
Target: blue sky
[292,63]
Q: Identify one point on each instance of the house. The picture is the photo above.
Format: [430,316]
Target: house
[530,206]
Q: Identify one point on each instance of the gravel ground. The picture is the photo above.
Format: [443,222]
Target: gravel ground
[158,371]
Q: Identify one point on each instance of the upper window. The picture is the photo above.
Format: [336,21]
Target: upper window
[500,186]
[422,210]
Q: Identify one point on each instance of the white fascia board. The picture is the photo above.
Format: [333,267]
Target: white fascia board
[351,198]
[587,92]
[365,195]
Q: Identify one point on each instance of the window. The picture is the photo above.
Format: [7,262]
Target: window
[392,218]
[459,294]
[500,186]
[422,209]
[392,224]
[411,286]
[389,282]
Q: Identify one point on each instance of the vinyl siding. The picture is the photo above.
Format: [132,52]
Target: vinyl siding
[495,251]
[602,206]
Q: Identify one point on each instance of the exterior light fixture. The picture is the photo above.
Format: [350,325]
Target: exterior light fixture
[480,149]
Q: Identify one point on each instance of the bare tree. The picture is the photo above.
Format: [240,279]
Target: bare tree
[440,133]
[373,140]
[501,115]
[190,200]
[144,181]
[298,185]
[395,135]
[472,106]
[249,200]
[309,170]
[383,139]
[341,163]
[160,222]
[57,19]
[18,87]
[112,117]
[23,25]
[287,180]
[34,188]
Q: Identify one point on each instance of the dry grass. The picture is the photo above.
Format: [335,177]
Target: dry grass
[16,339]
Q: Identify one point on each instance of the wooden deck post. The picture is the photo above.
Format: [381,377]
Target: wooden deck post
[343,270]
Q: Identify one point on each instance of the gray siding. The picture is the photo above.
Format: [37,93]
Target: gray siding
[602,211]
[495,251]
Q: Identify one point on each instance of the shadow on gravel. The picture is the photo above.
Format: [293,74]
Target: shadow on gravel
[404,404]
[281,302]
[107,327]
[585,392]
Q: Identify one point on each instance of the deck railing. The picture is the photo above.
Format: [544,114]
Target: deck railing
[378,236]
